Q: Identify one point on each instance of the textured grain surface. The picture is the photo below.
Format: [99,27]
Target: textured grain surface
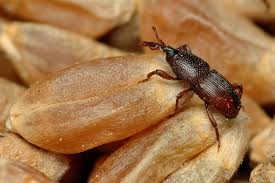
[263,145]
[152,155]
[258,119]
[216,167]
[16,172]
[263,173]
[52,165]
[36,50]
[263,10]
[9,93]
[91,18]
[94,103]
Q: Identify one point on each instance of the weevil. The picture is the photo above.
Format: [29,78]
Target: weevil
[207,83]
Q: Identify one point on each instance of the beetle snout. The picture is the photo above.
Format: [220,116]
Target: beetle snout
[170,51]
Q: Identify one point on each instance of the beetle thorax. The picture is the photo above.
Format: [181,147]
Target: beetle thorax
[187,66]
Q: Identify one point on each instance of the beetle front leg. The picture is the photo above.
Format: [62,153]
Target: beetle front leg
[238,88]
[214,124]
[160,73]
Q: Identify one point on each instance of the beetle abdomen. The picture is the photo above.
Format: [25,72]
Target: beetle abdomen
[215,90]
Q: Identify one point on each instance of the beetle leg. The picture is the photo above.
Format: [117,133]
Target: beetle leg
[214,124]
[179,96]
[238,88]
[185,48]
[160,73]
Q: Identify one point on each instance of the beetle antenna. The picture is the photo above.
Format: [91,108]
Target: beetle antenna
[157,36]
[155,46]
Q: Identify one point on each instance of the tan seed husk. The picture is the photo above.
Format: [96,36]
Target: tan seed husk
[16,172]
[94,103]
[152,155]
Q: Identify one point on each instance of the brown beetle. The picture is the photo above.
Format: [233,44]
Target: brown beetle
[207,83]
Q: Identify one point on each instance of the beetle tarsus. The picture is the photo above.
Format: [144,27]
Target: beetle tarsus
[160,73]
[214,124]
[144,80]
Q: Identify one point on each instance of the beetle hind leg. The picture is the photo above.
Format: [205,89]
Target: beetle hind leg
[214,124]
[179,96]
